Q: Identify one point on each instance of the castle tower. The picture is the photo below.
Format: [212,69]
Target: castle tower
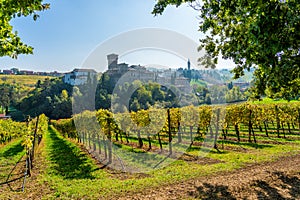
[112,60]
[189,64]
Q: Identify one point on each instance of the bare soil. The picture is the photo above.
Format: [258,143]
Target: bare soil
[273,180]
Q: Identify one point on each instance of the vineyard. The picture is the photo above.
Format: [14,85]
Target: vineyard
[18,142]
[94,154]
[123,140]
[176,99]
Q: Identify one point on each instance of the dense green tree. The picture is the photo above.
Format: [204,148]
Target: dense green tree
[230,85]
[103,99]
[261,34]
[11,44]
[46,83]
[38,84]
[103,92]
[53,100]
[234,95]
[62,107]
[5,96]
[10,94]
[208,99]
[144,96]
[156,92]
[135,106]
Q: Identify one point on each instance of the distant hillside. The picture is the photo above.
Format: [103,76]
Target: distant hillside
[25,80]
[218,77]
[227,76]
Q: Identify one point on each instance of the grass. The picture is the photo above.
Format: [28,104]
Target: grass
[68,161]
[272,101]
[26,80]
[10,154]
[72,174]
[198,82]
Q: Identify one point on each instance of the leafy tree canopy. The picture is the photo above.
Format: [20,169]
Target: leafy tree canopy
[11,44]
[264,34]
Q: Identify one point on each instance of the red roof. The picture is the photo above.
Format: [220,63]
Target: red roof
[3,116]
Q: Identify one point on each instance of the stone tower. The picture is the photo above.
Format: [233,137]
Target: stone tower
[112,60]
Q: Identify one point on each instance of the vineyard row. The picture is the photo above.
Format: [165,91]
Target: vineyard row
[102,128]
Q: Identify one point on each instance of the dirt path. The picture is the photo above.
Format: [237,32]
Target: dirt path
[276,180]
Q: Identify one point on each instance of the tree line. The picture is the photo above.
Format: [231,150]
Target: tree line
[59,100]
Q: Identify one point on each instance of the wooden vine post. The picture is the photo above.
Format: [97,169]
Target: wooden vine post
[217,128]
[277,120]
[109,123]
[169,132]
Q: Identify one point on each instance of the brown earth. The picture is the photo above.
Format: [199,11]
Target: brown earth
[274,180]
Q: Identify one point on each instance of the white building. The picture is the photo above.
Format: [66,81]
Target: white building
[80,76]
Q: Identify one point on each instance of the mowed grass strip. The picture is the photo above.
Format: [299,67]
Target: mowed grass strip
[10,154]
[72,174]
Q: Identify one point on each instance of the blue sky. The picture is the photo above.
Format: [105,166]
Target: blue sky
[65,35]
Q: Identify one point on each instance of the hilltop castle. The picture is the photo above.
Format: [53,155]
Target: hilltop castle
[129,74]
[137,72]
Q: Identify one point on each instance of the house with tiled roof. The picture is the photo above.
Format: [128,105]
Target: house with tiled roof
[80,76]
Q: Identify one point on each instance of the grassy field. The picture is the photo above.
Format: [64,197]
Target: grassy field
[10,154]
[72,174]
[198,83]
[272,101]
[26,80]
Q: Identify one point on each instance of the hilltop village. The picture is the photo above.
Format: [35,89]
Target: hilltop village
[142,87]
[180,77]
[130,73]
